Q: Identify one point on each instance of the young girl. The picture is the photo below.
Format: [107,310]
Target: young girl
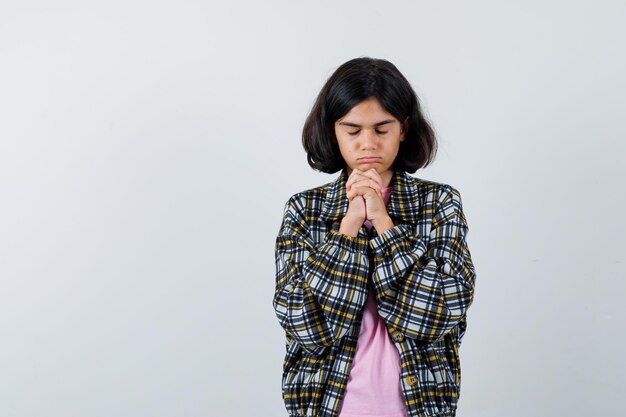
[373,273]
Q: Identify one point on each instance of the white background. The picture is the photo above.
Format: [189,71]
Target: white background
[147,149]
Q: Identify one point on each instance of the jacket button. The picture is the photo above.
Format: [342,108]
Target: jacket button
[397,336]
[411,380]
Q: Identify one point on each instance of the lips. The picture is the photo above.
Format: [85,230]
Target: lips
[369,159]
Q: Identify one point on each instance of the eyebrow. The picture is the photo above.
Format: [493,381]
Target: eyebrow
[382,122]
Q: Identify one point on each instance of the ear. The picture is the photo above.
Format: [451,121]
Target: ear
[404,127]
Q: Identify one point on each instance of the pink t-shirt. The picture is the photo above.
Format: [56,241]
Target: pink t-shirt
[374,388]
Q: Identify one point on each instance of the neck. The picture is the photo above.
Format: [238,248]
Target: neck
[387,178]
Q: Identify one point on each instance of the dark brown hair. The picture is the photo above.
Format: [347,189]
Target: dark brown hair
[353,82]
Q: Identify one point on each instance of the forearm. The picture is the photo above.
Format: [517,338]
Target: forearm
[383,224]
[350,226]
[320,286]
[425,284]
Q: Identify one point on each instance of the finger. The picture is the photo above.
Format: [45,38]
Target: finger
[376,173]
[354,175]
[372,173]
[355,191]
[367,182]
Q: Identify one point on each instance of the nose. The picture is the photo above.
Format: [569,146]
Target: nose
[369,139]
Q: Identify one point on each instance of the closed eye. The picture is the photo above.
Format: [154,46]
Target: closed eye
[357,132]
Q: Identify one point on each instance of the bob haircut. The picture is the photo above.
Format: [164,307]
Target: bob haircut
[353,82]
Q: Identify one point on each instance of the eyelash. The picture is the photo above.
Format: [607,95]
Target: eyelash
[356,133]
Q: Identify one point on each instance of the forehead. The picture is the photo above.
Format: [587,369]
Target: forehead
[368,111]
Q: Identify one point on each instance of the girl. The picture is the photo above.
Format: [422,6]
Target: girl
[373,273]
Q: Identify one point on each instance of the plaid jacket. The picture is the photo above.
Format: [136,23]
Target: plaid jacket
[423,277]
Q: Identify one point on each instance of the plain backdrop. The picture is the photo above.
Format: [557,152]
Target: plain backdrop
[147,149]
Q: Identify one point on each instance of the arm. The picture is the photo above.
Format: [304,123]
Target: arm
[425,285]
[320,288]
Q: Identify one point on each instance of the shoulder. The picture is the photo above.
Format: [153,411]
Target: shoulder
[434,190]
[440,199]
[443,200]
[309,200]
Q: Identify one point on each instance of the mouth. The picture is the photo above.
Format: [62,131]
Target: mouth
[369,159]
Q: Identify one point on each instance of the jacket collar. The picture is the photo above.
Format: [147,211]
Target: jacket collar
[403,202]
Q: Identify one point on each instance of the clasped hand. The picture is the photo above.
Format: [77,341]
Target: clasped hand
[364,192]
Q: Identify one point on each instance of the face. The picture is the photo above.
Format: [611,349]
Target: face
[367,130]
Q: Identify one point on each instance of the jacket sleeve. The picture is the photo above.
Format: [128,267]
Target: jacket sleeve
[425,285]
[320,287]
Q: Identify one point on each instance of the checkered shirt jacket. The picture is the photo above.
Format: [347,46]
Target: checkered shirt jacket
[423,278]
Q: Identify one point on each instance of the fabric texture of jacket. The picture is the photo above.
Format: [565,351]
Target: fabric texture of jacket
[423,277]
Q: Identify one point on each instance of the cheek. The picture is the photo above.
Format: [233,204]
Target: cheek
[343,148]
[345,144]
[394,148]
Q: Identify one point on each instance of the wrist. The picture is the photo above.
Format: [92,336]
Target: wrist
[382,225]
[350,226]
